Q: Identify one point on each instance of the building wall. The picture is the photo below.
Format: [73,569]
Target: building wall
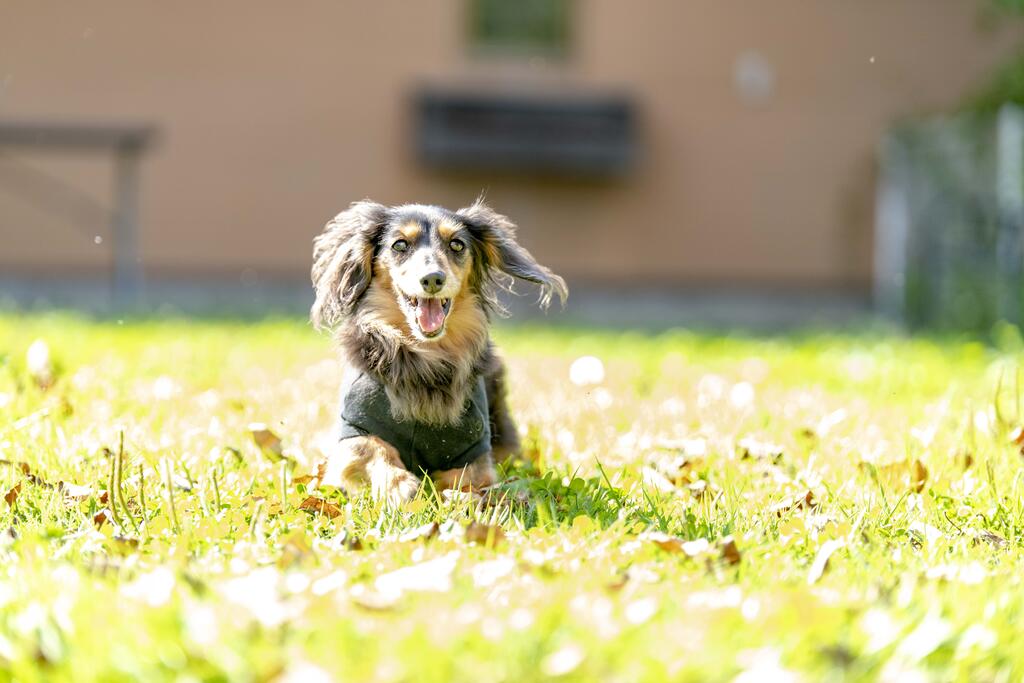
[274,116]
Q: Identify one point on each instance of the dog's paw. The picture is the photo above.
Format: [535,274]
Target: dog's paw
[398,487]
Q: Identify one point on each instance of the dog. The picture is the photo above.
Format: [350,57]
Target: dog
[410,292]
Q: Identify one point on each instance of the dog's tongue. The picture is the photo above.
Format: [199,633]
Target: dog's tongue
[430,315]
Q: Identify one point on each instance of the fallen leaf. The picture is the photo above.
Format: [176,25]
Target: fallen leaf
[12,495]
[656,480]
[75,492]
[320,506]
[730,553]
[991,538]
[23,466]
[101,517]
[696,547]
[902,474]
[755,449]
[683,469]
[27,471]
[671,544]
[424,531]
[674,544]
[820,563]
[268,441]
[484,534]
[798,502]
[920,476]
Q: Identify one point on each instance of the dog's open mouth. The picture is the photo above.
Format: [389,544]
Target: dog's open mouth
[430,313]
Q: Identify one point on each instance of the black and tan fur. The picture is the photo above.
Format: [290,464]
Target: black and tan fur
[366,289]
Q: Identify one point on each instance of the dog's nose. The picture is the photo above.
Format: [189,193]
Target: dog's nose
[432,282]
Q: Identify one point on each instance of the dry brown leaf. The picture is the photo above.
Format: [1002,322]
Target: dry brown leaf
[12,495]
[683,469]
[27,471]
[23,466]
[903,475]
[674,544]
[801,501]
[320,506]
[671,544]
[992,538]
[920,476]
[1017,436]
[268,441]
[304,479]
[484,534]
[102,517]
[730,552]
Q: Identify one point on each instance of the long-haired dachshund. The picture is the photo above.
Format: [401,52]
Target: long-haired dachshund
[410,291]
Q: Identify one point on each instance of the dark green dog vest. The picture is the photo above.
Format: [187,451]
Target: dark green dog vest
[366,411]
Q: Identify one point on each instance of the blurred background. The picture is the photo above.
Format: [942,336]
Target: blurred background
[680,162]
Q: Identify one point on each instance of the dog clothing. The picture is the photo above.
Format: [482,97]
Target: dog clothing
[366,411]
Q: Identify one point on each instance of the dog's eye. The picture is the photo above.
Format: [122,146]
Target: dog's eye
[400,245]
[457,245]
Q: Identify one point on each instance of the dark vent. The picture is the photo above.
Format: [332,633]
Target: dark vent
[553,134]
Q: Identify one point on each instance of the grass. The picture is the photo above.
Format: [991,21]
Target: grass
[818,507]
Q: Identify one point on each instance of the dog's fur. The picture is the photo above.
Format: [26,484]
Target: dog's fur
[368,272]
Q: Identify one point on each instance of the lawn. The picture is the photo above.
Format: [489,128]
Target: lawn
[693,507]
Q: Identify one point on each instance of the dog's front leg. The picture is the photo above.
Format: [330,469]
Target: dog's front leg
[476,475]
[362,460]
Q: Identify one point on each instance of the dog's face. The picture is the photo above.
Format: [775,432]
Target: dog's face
[428,255]
[420,261]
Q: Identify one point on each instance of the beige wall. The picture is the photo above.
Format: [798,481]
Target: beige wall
[276,115]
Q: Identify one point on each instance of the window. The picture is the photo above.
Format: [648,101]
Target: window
[520,27]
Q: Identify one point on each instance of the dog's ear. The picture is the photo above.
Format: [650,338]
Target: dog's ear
[343,261]
[496,236]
